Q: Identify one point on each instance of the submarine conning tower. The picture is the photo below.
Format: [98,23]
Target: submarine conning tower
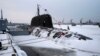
[44,20]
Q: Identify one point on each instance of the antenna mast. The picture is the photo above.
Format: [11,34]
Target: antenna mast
[81,20]
[1,14]
[38,10]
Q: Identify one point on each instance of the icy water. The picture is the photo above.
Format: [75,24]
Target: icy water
[84,48]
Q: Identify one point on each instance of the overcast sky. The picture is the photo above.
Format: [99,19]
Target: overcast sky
[23,10]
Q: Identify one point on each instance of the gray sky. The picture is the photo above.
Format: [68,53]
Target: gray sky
[23,10]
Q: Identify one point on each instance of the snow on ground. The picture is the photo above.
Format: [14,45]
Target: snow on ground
[42,45]
[4,40]
[84,48]
[7,49]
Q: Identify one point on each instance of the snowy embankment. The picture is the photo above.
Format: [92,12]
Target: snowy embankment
[84,48]
[8,48]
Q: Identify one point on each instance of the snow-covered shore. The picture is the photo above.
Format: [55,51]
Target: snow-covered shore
[84,48]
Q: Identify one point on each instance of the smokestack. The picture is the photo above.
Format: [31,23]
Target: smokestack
[1,14]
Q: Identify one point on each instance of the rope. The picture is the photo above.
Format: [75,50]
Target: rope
[26,40]
[34,42]
[23,41]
